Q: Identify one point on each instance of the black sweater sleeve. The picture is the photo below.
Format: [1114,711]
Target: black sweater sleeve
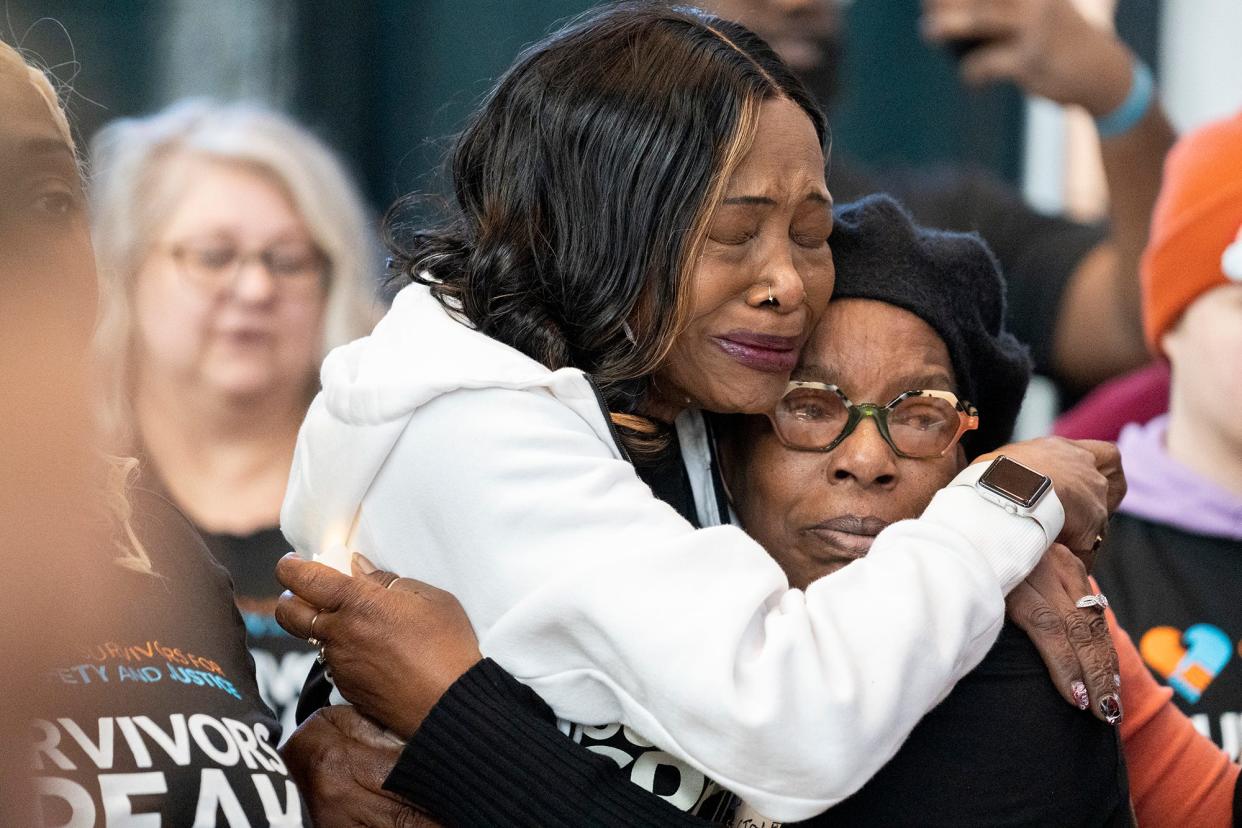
[489,753]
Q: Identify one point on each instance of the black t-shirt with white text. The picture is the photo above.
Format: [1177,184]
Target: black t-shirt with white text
[153,715]
[281,662]
[1180,596]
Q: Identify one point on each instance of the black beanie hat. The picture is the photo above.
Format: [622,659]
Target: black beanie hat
[952,282]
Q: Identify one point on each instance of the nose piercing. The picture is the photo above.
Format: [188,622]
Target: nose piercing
[771,300]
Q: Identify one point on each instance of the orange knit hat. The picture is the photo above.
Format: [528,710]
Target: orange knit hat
[1196,217]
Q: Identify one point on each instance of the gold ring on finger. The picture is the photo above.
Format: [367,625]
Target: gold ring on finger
[311,636]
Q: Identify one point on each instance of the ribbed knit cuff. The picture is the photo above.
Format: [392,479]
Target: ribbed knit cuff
[489,754]
[1011,544]
[454,765]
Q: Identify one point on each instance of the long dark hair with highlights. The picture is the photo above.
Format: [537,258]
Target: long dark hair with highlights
[583,188]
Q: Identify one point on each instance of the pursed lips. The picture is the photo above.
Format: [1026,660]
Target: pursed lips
[245,333]
[763,352]
[849,535]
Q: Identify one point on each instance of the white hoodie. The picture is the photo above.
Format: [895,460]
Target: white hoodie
[446,456]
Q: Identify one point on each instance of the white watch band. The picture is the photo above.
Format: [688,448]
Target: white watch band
[1047,512]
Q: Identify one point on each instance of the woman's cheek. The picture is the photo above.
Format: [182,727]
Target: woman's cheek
[169,321]
[726,271]
[1228,394]
[818,278]
[303,324]
[786,475]
[922,479]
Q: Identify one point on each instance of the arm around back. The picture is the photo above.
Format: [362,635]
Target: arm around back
[614,609]
[489,753]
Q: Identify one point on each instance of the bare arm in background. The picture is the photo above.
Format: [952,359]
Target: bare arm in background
[1049,49]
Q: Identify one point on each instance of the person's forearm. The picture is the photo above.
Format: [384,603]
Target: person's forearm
[1099,332]
[490,754]
[1133,162]
[1052,50]
[614,609]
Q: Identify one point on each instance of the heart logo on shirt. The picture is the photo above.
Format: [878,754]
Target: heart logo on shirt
[1187,661]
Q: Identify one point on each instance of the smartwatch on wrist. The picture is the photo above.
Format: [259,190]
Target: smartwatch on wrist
[1014,487]
[1018,489]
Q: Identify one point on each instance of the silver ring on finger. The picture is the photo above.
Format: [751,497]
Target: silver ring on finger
[1096,601]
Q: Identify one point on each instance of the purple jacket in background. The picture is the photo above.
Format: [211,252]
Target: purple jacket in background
[1162,490]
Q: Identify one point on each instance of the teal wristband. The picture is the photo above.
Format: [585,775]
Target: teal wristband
[1127,116]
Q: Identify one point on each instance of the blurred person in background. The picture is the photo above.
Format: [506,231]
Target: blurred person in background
[235,252]
[1174,572]
[128,672]
[1073,288]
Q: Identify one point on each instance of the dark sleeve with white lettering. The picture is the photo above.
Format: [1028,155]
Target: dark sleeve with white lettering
[489,753]
[155,710]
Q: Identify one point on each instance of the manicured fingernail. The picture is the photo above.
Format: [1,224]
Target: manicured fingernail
[1110,708]
[1080,695]
[364,566]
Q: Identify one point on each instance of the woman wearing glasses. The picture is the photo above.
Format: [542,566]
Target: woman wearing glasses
[235,252]
[641,234]
[1002,749]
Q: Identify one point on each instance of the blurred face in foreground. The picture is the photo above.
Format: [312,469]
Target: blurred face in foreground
[48,300]
[47,270]
[48,460]
[815,512]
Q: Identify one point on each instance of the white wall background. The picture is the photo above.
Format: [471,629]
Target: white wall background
[1201,60]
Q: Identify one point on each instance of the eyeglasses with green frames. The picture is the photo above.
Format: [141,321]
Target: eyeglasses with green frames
[816,416]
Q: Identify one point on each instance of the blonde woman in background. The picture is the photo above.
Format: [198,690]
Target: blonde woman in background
[235,252]
[126,665]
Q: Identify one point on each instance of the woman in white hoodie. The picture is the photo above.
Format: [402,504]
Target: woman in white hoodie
[641,233]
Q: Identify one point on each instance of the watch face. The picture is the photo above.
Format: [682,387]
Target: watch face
[1015,482]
